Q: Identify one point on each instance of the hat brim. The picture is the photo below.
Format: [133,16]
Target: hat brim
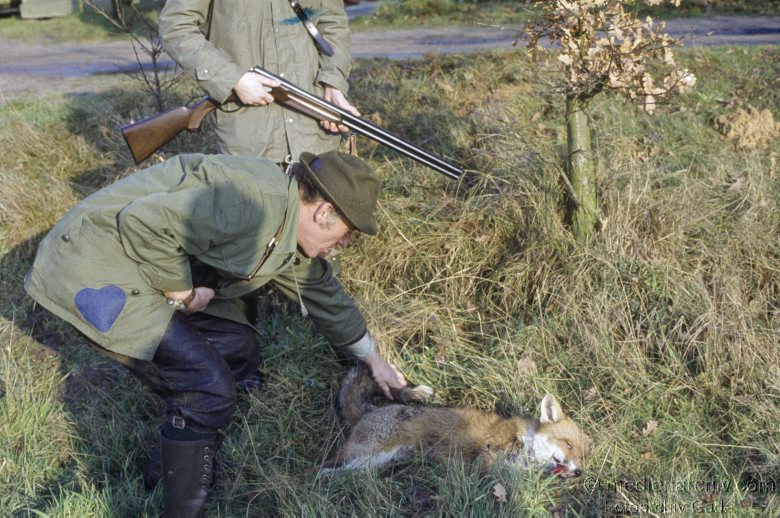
[307,159]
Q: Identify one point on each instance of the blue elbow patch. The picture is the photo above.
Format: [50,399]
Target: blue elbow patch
[101,307]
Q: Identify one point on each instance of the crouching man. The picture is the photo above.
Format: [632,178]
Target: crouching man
[153,269]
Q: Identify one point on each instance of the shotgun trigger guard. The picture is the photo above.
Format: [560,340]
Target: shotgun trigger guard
[222,108]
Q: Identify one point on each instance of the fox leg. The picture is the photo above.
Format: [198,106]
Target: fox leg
[378,459]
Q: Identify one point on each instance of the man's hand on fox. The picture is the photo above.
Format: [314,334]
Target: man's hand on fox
[385,374]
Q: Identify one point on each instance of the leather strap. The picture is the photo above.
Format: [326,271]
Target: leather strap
[319,41]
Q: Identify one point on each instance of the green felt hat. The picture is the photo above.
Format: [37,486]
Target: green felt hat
[348,183]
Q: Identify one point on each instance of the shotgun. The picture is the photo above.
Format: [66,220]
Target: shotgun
[150,134]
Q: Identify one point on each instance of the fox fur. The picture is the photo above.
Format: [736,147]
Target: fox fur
[382,434]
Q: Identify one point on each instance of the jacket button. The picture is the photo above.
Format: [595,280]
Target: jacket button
[135,291]
[65,237]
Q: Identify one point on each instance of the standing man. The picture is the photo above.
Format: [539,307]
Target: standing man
[218,42]
[153,267]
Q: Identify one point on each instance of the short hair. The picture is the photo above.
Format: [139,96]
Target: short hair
[308,189]
[306,186]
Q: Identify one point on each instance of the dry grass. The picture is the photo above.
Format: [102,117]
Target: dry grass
[660,336]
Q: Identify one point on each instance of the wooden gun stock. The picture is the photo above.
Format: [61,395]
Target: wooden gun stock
[148,135]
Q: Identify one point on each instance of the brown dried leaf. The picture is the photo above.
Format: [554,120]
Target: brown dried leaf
[621,59]
[650,428]
[526,366]
[499,492]
[591,395]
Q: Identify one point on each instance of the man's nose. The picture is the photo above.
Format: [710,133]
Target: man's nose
[344,241]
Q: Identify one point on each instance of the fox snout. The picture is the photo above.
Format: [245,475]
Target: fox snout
[564,471]
[558,442]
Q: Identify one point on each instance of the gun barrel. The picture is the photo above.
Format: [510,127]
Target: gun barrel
[312,105]
[404,147]
[150,134]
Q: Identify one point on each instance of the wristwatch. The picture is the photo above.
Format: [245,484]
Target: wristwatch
[181,304]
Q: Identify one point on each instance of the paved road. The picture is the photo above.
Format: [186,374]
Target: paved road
[411,43]
[71,68]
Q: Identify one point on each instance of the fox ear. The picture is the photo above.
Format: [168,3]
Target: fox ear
[551,410]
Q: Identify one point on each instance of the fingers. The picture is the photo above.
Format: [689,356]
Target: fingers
[387,375]
[390,377]
[203,296]
[333,127]
[205,292]
[337,98]
[254,89]
[385,388]
[400,380]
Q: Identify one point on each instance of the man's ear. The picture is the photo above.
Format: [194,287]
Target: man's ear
[323,212]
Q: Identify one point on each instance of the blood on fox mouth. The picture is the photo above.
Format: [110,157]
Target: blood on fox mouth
[563,471]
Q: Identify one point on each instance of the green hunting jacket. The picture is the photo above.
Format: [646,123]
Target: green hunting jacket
[104,266]
[218,41]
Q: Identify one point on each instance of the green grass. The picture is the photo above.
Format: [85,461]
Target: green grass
[514,13]
[86,25]
[400,14]
[672,315]
[714,8]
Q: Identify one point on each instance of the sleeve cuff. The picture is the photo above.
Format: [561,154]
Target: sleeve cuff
[219,83]
[363,347]
[334,79]
[161,283]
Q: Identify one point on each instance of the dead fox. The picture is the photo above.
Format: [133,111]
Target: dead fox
[381,434]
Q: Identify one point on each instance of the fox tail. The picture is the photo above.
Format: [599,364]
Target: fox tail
[356,397]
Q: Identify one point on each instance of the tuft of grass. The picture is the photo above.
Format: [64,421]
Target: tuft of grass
[659,336]
[36,439]
[711,8]
[431,13]
[84,24]
[514,14]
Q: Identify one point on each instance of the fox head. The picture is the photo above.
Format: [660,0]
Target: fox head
[558,443]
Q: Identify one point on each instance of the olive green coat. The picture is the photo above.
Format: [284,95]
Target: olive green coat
[218,41]
[104,266]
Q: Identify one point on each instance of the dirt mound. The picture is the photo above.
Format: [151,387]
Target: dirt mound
[748,128]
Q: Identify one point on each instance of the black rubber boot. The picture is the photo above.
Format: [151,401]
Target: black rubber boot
[187,475]
[153,469]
